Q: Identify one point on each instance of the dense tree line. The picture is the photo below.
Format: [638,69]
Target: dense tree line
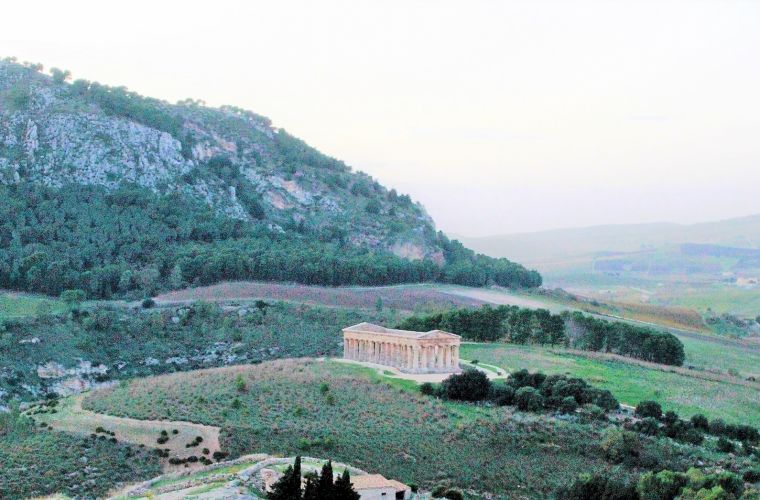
[539,326]
[592,334]
[132,242]
[486,324]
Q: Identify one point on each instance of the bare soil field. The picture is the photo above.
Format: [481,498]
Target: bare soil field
[402,297]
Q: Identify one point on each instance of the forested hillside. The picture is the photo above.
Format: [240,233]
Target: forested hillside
[122,195]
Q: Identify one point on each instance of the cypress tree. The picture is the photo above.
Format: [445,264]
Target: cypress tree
[310,491]
[344,490]
[325,486]
[288,487]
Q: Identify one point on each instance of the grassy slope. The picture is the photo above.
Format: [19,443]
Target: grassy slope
[368,422]
[15,305]
[631,383]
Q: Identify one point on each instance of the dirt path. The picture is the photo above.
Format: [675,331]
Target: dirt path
[71,417]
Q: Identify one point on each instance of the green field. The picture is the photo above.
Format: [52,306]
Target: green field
[707,354]
[16,305]
[631,383]
[354,415]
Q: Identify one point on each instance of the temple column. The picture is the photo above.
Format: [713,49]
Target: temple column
[415,358]
[456,356]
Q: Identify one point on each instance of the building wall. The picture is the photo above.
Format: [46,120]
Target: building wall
[377,494]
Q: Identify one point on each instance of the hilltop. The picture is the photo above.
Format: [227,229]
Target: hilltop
[116,193]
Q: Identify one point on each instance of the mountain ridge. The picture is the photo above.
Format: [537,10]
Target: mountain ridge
[531,247]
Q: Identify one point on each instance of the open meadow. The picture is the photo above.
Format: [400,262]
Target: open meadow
[630,382]
[402,297]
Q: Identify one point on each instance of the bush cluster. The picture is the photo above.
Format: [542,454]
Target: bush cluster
[663,485]
[656,423]
[533,392]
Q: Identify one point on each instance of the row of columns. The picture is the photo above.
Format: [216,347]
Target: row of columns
[403,356]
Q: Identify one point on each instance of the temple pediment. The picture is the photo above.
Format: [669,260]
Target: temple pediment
[372,328]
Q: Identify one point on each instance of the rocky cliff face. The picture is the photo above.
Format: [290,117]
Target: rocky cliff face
[57,133]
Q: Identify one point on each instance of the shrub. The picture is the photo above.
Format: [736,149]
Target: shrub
[621,446]
[752,476]
[724,445]
[598,487]
[148,303]
[427,389]
[568,405]
[529,399]
[439,491]
[454,495]
[649,409]
[670,418]
[700,422]
[665,485]
[470,385]
[502,394]
[591,413]
[240,385]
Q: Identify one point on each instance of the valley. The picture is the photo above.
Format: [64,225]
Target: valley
[175,282]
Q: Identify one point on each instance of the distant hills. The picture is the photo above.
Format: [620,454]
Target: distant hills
[545,246]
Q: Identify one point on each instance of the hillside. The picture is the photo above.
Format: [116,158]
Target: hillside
[118,194]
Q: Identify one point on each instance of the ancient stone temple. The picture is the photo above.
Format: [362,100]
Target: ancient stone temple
[413,352]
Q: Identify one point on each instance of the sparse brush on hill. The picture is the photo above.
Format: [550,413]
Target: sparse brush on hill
[378,425]
[101,344]
[37,462]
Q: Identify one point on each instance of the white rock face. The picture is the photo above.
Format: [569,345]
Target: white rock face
[60,137]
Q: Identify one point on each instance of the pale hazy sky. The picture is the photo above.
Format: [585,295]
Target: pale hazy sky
[498,116]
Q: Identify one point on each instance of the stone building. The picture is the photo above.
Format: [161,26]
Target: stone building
[413,352]
[376,487]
